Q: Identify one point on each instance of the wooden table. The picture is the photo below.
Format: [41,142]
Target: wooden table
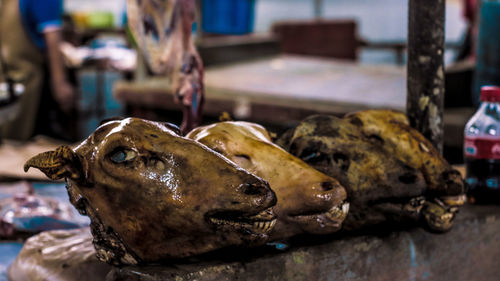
[283,88]
[313,83]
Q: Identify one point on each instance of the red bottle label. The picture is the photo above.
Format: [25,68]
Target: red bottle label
[482,148]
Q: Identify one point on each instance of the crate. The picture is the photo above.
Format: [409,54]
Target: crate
[228,16]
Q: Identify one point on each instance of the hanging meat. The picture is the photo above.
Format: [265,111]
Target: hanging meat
[162,29]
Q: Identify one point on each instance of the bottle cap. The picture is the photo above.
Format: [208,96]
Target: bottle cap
[490,93]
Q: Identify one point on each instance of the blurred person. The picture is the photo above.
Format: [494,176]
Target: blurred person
[470,13]
[30,36]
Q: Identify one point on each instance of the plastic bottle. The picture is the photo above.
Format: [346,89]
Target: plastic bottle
[482,148]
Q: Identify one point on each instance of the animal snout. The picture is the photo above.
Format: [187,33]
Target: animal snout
[327,186]
[329,192]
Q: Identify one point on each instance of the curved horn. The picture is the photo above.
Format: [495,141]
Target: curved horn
[172,127]
[57,164]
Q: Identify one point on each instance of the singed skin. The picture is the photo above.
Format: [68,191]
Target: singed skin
[391,172]
[379,186]
[445,186]
[153,195]
[411,147]
[308,201]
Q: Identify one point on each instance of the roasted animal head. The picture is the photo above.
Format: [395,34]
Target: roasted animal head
[397,137]
[154,195]
[382,183]
[308,201]
[445,190]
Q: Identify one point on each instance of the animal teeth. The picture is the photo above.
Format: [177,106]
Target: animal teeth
[267,214]
[447,216]
[264,226]
[335,213]
[219,221]
[256,225]
[259,226]
[455,200]
[273,223]
[345,208]
[439,202]
[417,202]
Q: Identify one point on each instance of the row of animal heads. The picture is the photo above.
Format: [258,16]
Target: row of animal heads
[152,194]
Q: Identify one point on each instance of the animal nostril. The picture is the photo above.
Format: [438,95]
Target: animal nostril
[252,189]
[450,175]
[326,186]
[453,181]
[408,178]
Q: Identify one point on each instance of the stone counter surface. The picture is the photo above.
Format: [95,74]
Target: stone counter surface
[470,251]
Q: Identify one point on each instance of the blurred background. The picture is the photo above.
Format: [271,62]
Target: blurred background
[288,57]
[387,21]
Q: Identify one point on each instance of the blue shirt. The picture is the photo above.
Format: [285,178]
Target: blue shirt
[39,16]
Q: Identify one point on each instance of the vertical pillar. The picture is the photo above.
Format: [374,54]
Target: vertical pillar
[318,8]
[425,76]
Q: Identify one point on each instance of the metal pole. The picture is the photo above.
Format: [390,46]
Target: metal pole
[425,77]
[318,9]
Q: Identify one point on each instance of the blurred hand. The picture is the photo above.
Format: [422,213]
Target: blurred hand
[65,96]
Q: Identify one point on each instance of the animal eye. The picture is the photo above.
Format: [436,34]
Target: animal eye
[244,156]
[309,154]
[242,160]
[313,157]
[122,155]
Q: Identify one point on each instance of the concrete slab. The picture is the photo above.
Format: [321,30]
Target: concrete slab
[470,251]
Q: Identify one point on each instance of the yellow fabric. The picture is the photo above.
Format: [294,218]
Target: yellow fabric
[24,62]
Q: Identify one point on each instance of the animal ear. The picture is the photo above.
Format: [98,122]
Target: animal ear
[57,164]
[284,141]
[172,127]
[225,116]
[115,118]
